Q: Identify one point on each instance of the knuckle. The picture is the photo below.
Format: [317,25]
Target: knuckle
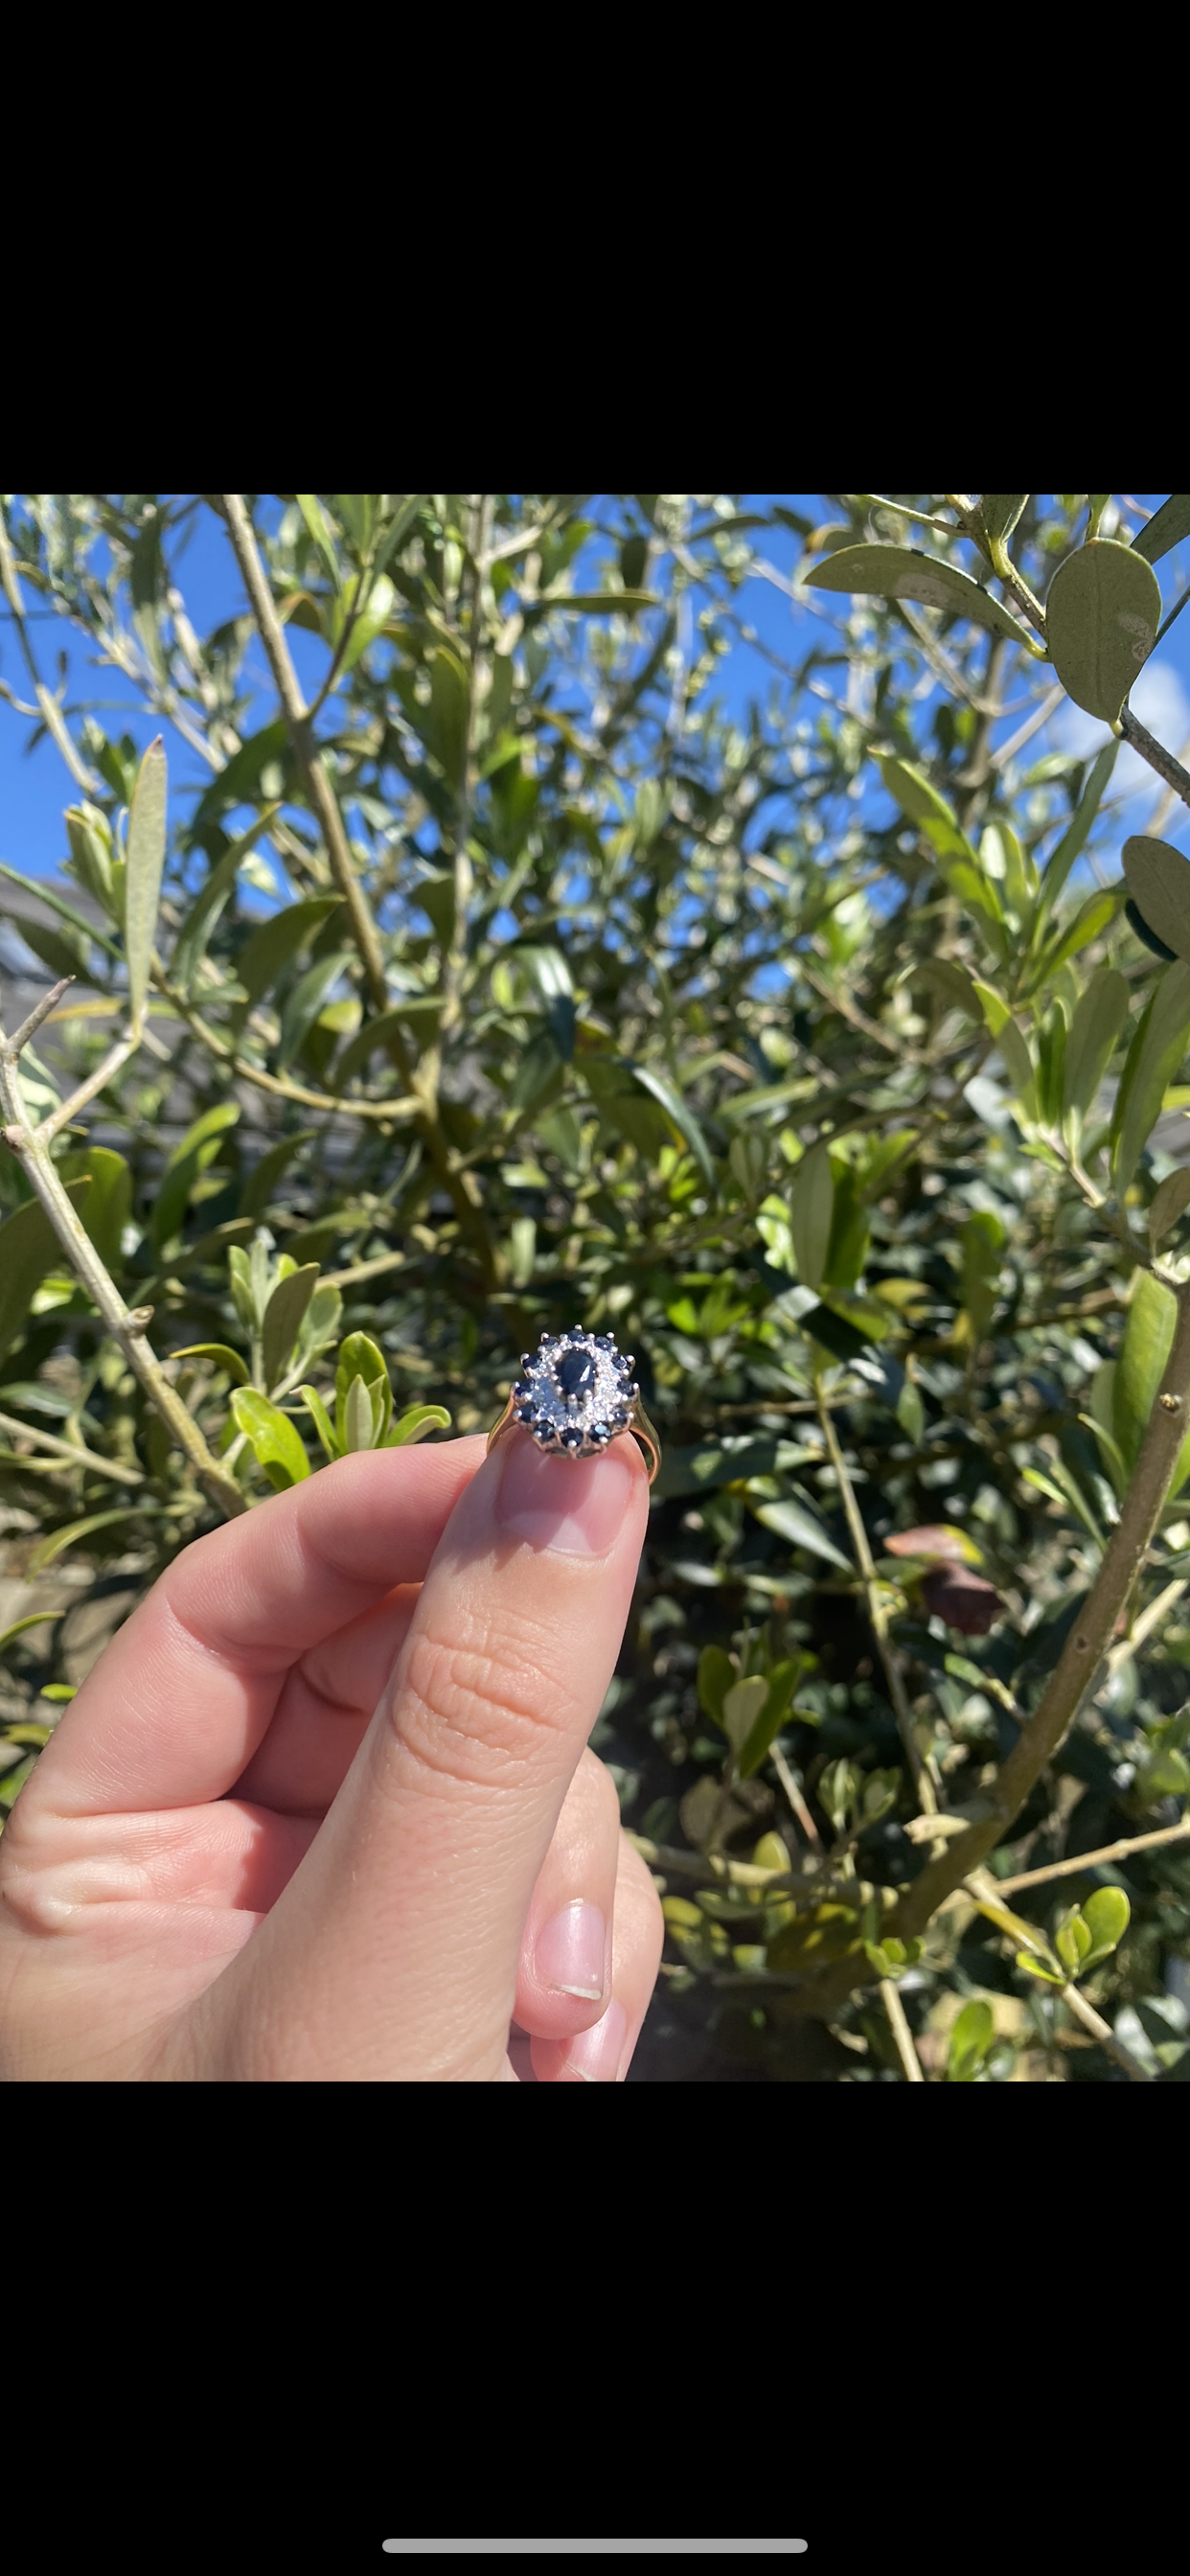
[484,1710]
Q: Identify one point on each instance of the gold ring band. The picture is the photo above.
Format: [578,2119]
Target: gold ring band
[639,1426]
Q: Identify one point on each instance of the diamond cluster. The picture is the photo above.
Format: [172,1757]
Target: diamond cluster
[575,1393]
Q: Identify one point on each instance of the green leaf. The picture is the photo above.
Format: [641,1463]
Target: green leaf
[1077,832]
[793,1522]
[911,1413]
[242,1291]
[811,1215]
[321,1323]
[416,1019]
[1159,882]
[1169,1203]
[679,1114]
[413,1424]
[716,1676]
[1007,863]
[283,1319]
[436,896]
[1166,528]
[92,859]
[1148,1339]
[978,895]
[1154,1058]
[970,2039]
[1107,1915]
[998,513]
[591,603]
[273,1437]
[775,1709]
[45,894]
[1101,619]
[982,1241]
[538,1073]
[1091,1042]
[1092,919]
[221,1354]
[108,1203]
[191,944]
[901,572]
[399,527]
[1011,1047]
[838,1790]
[1051,1066]
[850,1234]
[142,891]
[372,619]
[29,1248]
[360,1356]
[33,1619]
[257,1192]
[1035,1967]
[522,1250]
[322,1422]
[748,1162]
[1072,1941]
[848,1325]
[63,951]
[742,1705]
[59,1540]
[952,984]
[197,1149]
[272,946]
[359,1426]
[919,800]
[444,722]
[320,529]
[306,1000]
[236,783]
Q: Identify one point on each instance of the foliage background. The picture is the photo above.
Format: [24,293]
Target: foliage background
[628,947]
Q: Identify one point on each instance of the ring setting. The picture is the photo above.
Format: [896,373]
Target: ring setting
[575,1395]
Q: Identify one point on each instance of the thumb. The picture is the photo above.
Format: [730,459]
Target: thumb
[393,1952]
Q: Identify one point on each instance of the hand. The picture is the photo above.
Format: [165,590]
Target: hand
[324,1810]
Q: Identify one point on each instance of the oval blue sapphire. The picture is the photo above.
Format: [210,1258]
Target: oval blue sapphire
[576,1372]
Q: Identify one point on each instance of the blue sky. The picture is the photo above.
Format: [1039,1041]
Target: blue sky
[35,788]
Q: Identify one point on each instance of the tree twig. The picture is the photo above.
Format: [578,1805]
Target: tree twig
[325,807]
[125,1324]
[95,1082]
[1158,758]
[1070,1684]
[922,1780]
[79,1457]
[1086,1646]
[317,784]
[901,2032]
[1108,1852]
[51,712]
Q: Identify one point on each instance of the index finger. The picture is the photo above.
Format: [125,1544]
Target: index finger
[176,1706]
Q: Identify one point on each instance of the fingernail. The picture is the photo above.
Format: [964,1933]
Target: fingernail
[594,2057]
[569,1954]
[575,1505]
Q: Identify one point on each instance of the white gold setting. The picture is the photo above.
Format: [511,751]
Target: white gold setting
[576,1393]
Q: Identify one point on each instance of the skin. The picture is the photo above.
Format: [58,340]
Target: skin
[325,1810]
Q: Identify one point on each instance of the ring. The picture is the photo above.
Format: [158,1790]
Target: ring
[575,1394]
